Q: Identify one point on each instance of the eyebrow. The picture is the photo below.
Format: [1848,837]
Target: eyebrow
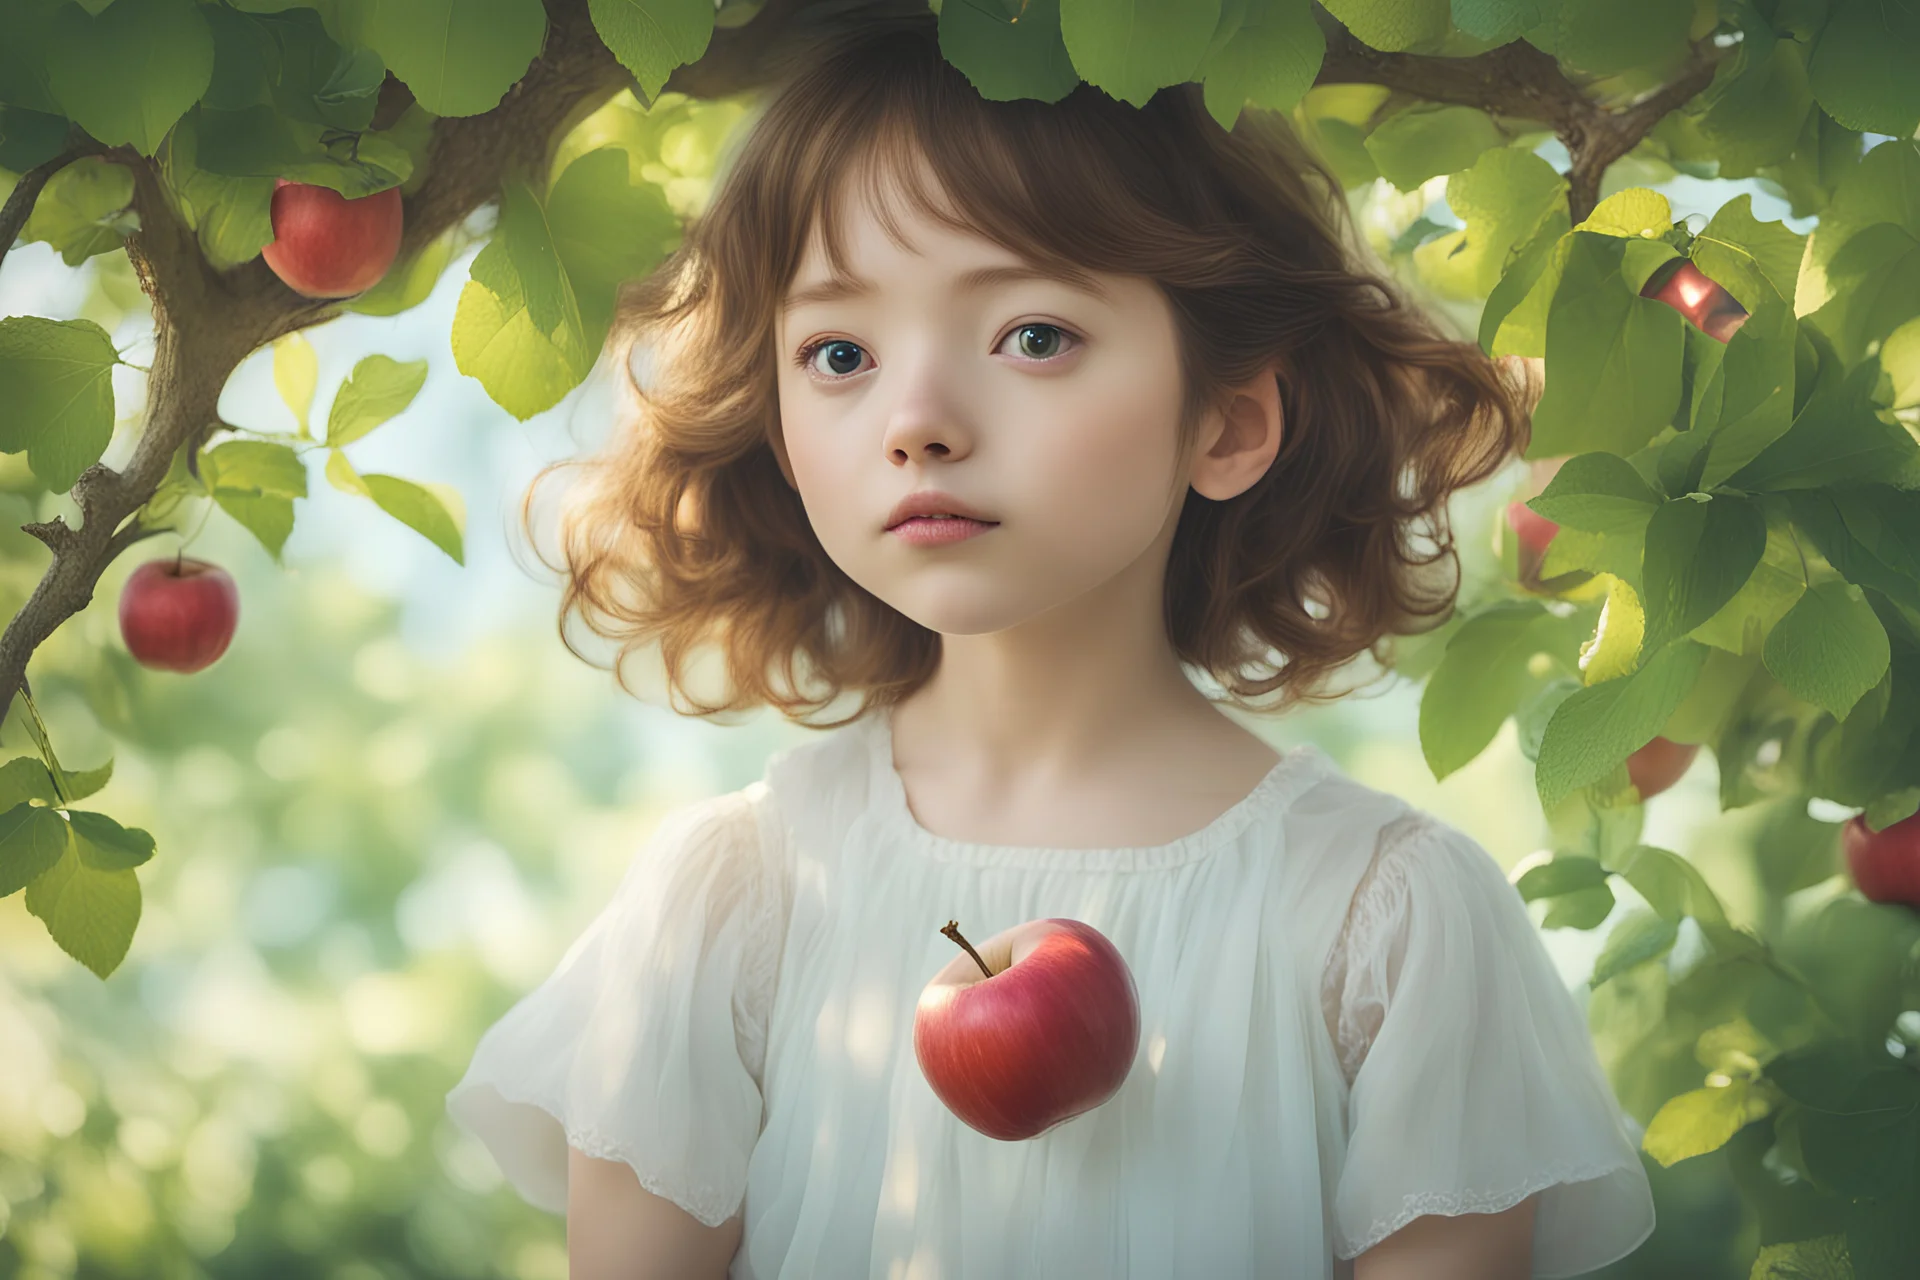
[979,278]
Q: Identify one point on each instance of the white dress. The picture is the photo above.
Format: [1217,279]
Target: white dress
[1347,1021]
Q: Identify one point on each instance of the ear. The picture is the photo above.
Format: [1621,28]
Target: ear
[1237,444]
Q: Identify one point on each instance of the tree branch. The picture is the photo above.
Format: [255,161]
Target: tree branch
[1520,82]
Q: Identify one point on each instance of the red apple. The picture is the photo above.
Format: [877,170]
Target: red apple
[1041,1028]
[327,246]
[1660,764]
[1534,532]
[1885,864]
[1705,304]
[179,614]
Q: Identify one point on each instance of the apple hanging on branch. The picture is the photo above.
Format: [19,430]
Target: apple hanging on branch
[1659,764]
[1706,305]
[328,246]
[1885,864]
[1044,1033]
[178,614]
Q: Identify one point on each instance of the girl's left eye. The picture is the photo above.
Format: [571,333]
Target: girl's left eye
[1043,345]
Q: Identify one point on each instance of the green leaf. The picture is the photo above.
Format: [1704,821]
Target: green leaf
[1505,199]
[1479,682]
[1514,320]
[1672,886]
[296,372]
[79,786]
[105,845]
[1883,187]
[1599,726]
[1701,1121]
[1500,21]
[434,513]
[1830,647]
[56,379]
[458,56]
[1581,909]
[231,216]
[1425,140]
[255,482]
[25,778]
[1269,57]
[265,516]
[1563,874]
[1862,69]
[1761,106]
[1894,807]
[23,60]
[1823,1258]
[28,139]
[1639,937]
[91,914]
[518,327]
[342,476]
[1741,624]
[652,37]
[31,841]
[1867,548]
[1006,60]
[1600,492]
[1773,248]
[128,74]
[1394,25]
[1615,358]
[1875,277]
[607,229]
[1131,49]
[1900,360]
[1837,437]
[379,388]
[254,466]
[1699,554]
[83,210]
[1606,37]
[1636,213]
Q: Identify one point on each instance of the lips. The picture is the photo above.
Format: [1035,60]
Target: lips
[931,502]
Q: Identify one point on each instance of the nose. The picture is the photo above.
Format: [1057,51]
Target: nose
[925,423]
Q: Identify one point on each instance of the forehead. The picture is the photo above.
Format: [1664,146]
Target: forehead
[907,202]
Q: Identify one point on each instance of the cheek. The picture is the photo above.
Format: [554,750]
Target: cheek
[1108,463]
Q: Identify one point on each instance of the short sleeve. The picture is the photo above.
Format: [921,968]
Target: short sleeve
[644,1044]
[1474,1082]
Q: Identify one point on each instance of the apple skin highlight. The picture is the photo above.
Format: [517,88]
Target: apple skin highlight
[1048,1037]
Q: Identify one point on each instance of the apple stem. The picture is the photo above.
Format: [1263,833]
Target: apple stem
[953,931]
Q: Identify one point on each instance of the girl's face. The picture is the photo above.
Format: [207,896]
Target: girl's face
[1047,408]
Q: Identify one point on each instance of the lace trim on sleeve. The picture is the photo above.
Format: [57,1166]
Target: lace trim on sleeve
[709,1204]
[1453,1204]
[1365,963]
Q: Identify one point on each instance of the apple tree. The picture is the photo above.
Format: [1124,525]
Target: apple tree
[1715,551]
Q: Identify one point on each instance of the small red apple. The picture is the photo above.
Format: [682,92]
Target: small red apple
[1044,1033]
[327,246]
[1660,764]
[1706,305]
[1885,864]
[1534,531]
[179,614]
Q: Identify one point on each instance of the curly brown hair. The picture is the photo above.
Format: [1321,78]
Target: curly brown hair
[691,532]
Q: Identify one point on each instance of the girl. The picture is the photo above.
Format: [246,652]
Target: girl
[1185,433]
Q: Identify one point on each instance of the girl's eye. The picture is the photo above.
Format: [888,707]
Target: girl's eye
[1039,342]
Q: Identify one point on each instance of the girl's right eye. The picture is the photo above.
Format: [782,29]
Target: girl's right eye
[837,350]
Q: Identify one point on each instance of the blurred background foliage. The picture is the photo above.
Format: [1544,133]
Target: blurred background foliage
[386,812]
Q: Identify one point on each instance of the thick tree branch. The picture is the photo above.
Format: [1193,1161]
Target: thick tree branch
[1520,82]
